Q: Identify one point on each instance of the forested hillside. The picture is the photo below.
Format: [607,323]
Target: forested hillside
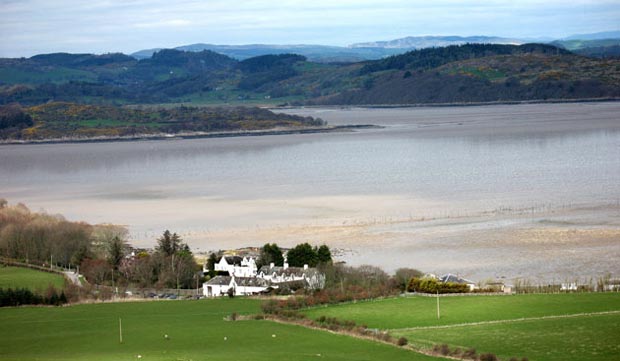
[459,73]
[540,74]
[70,120]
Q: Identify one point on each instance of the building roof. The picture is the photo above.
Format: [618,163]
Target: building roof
[234,260]
[219,281]
[251,282]
[454,279]
[297,271]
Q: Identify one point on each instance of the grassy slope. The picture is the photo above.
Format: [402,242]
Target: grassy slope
[583,338]
[13,277]
[196,330]
[577,338]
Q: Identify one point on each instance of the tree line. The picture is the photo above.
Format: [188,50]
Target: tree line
[298,256]
[100,251]
[429,58]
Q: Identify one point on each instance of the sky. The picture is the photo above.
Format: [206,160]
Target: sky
[29,27]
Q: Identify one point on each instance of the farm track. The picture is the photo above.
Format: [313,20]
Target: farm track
[523,319]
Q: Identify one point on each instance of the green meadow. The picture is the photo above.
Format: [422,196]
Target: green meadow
[539,327]
[593,337]
[197,330]
[583,326]
[18,277]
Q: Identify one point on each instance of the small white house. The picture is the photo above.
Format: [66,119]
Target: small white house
[612,285]
[499,286]
[217,286]
[237,266]
[311,277]
[569,286]
[244,278]
[247,286]
[242,286]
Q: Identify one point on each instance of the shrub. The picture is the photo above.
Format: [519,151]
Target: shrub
[384,336]
[269,306]
[470,354]
[442,349]
[488,357]
[430,285]
[456,352]
[23,296]
[402,341]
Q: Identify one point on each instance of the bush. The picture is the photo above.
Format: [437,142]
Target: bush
[442,349]
[470,354]
[430,285]
[488,357]
[402,341]
[23,296]
[269,306]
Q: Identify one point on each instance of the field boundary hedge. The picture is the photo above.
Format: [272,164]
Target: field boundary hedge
[11,262]
[423,294]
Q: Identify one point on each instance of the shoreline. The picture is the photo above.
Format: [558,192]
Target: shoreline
[448,105]
[195,135]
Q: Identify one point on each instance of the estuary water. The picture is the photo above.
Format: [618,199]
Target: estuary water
[477,190]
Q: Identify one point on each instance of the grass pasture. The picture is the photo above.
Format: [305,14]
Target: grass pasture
[507,326]
[196,331]
[591,337]
[18,277]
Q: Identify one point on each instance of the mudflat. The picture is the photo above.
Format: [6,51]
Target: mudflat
[485,191]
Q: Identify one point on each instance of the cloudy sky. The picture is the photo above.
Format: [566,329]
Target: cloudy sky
[29,27]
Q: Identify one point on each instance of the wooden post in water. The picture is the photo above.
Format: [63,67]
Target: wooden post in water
[120,330]
[438,314]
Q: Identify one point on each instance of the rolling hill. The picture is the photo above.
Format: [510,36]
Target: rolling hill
[316,53]
[452,74]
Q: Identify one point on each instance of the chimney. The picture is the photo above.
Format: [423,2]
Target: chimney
[272,265]
[285,265]
[305,266]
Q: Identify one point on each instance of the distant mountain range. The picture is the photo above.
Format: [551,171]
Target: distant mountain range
[320,53]
[420,42]
[378,49]
[595,36]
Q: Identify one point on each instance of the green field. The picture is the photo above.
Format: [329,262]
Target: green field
[18,277]
[196,331]
[579,337]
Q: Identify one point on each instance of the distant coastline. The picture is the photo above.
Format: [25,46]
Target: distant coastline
[192,135]
[452,104]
